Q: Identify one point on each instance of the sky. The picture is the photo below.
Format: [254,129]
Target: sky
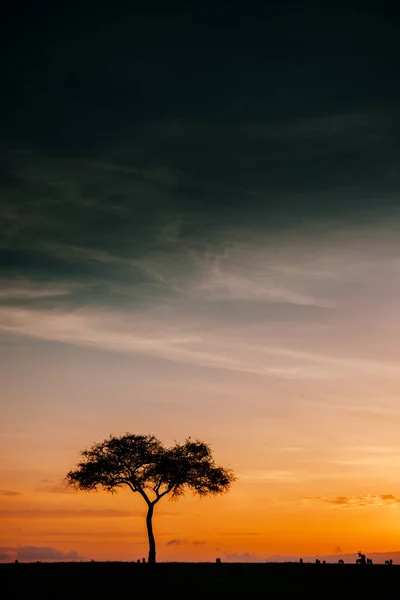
[200,237]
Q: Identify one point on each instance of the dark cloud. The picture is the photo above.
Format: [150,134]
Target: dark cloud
[66,513]
[175,542]
[45,553]
[126,144]
[111,71]
[9,493]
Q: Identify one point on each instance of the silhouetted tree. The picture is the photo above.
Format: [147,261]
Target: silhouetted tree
[146,466]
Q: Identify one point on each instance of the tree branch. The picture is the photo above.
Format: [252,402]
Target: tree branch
[159,496]
[144,495]
[156,488]
[129,484]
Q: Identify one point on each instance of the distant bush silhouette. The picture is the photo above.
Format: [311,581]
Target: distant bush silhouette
[146,466]
[361,560]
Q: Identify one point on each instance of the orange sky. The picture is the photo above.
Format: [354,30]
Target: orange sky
[305,410]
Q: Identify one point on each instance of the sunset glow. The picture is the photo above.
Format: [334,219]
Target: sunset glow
[226,269]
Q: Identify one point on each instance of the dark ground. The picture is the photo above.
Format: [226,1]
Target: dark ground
[196,580]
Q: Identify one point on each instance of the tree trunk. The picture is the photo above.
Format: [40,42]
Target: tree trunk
[152,542]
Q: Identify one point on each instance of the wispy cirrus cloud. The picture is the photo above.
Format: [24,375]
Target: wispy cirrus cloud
[103,330]
[17,289]
[242,273]
[181,340]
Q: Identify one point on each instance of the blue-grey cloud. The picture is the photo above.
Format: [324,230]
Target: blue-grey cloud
[45,553]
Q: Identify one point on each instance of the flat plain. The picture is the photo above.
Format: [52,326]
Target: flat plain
[98,580]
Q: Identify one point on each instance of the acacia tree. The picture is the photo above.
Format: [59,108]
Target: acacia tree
[146,466]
